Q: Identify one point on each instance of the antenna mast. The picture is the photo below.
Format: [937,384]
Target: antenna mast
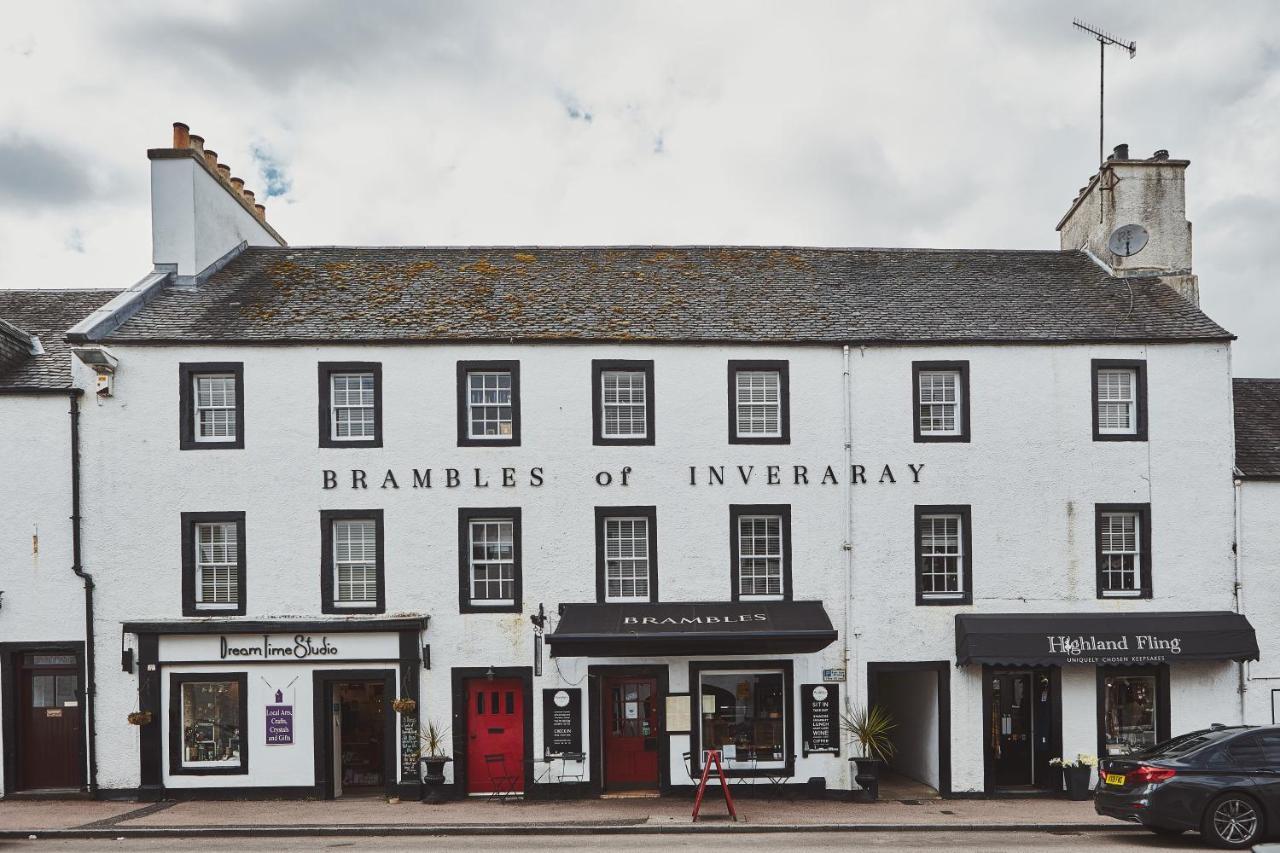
[1104,38]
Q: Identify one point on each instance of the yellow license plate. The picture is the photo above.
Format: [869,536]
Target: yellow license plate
[1115,779]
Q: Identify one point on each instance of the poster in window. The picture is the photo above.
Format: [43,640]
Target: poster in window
[562,720]
[820,708]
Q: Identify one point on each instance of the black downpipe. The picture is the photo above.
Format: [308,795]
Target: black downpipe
[90,690]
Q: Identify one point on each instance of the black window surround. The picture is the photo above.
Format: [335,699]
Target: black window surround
[604,512]
[190,607]
[783,370]
[327,591]
[966,543]
[1161,675]
[696,668]
[600,366]
[187,372]
[1139,367]
[466,604]
[464,427]
[960,367]
[1143,512]
[326,370]
[737,511]
[176,680]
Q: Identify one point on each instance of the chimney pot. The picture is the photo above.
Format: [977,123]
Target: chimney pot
[225,171]
[1121,152]
[1161,154]
[262,211]
[197,143]
[211,157]
[238,183]
[248,194]
[181,135]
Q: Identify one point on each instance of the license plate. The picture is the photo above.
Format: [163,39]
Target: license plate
[1115,779]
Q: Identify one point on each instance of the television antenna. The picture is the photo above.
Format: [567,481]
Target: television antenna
[1104,38]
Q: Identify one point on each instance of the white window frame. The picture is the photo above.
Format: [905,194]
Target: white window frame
[958,554]
[362,406]
[1129,403]
[743,556]
[232,547]
[734,763]
[606,405]
[1134,555]
[228,406]
[646,577]
[182,723]
[366,565]
[931,403]
[510,406]
[509,563]
[747,407]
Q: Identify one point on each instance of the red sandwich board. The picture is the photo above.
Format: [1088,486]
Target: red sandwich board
[709,756]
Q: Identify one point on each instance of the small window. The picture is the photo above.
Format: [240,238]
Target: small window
[759,408]
[488,403]
[745,712]
[943,555]
[626,554]
[622,401]
[352,568]
[1123,543]
[213,563]
[761,552]
[54,691]
[941,406]
[350,404]
[211,403]
[489,560]
[1134,709]
[208,715]
[1119,400]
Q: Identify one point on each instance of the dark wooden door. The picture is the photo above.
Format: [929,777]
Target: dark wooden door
[51,722]
[630,717]
[495,726]
[1011,705]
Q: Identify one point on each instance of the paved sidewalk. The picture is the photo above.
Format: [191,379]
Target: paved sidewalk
[667,814]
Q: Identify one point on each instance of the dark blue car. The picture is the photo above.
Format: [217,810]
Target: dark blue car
[1223,782]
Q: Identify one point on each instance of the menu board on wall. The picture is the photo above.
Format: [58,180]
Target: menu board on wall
[562,720]
[820,709]
[408,745]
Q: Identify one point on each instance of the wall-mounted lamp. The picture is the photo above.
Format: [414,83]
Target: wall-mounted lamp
[490,674]
[103,363]
[426,656]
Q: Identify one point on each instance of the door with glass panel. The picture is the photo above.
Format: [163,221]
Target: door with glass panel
[50,724]
[630,733]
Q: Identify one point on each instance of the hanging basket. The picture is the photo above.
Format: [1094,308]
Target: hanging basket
[139,718]
[404,706]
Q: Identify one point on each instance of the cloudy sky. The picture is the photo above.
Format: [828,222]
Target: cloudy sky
[940,124]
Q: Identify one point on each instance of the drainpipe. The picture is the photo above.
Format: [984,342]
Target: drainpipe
[1238,506]
[78,568]
[847,383]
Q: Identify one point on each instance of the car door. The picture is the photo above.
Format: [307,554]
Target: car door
[1267,778]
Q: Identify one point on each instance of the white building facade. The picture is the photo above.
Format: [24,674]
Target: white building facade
[593,511]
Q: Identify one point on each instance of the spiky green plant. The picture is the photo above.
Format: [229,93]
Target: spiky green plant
[870,728]
[434,739]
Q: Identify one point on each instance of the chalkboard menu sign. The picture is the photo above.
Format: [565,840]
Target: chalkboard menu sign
[820,707]
[409,746]
[562,720]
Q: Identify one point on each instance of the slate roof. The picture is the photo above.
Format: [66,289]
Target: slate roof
[1257,410]
[47,314]
[709,294]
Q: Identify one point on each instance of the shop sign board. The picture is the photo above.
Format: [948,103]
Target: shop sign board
[562,720]
[279,722]
[302,647]
[820,708]
[833,675]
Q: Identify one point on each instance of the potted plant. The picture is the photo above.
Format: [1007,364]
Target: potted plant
[433,757]
[404,706]
[870,728]
[1075,774]
[139,718]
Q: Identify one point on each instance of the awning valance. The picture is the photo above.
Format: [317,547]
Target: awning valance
[691,628]
[1103,638]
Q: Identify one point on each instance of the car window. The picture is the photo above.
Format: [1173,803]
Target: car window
[1270,748]
[1246,753]
[1173,746]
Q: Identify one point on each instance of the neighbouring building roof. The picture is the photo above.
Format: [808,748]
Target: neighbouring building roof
[635,294]
[46,315]
[1257,410]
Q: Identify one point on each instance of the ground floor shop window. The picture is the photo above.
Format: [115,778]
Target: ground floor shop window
[745,714]
[207,730]
[1134,709]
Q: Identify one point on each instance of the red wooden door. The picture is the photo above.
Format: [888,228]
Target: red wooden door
[50,727]
[495,726]
[630,733]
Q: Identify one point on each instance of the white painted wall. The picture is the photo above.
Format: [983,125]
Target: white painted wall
[1260,569]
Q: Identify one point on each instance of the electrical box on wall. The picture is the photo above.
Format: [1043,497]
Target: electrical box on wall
[103,364]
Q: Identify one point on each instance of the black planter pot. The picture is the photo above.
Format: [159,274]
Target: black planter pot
[433,787]
[1077,782]
[867,777]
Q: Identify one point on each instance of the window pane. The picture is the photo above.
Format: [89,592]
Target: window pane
[489,404]
[215,409]
[743,715]
[941,556]
[1117,400]
[1119,543]
[217,564]
[759,403]
[211,724]
[626,551]
[352,403]
[64,689]
[760,555]
[623,404]
[355,555]
[493,561]
[43,691]
[1129,721]
[940,402]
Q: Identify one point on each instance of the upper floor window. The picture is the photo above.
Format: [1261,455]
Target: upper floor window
[759,404]
[489,403]
[944,546]
[760,537]
[213,563]
[352,572]
[1119,400]
[622,402]
[211,405]
[626,554]
[350,404]
[1124,550]
[489,560]
[941,400]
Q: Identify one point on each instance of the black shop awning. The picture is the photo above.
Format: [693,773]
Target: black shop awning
[691,628]
[1103,638]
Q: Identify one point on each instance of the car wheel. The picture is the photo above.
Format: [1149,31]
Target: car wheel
[1233,821]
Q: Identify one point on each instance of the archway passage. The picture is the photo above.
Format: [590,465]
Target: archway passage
[917,696]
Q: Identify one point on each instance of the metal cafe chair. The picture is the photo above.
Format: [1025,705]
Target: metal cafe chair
[579,758]
[778,779]
[502,781]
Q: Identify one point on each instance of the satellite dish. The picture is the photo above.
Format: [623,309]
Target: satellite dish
[1127,240]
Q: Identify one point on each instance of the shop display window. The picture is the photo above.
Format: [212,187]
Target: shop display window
[1130,713]
[212,728]
[744,716]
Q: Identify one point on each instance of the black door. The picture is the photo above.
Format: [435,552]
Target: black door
[1010,729]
